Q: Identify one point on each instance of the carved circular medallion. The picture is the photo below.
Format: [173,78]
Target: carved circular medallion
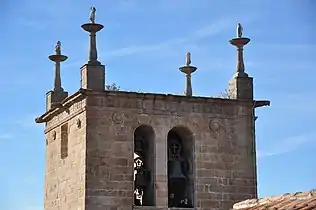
[54,135]
[118,117]
[215,125]
[78,123]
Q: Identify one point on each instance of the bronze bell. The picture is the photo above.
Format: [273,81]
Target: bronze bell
[176,170]
[140,177]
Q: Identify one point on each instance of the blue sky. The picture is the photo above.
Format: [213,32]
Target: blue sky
[143,44]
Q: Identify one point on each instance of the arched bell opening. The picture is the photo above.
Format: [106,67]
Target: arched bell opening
[144,166]
[180,168]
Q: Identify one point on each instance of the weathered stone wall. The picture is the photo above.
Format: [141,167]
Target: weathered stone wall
[225,161]
[224,165]
[65,178]
[109,161]
[98,171]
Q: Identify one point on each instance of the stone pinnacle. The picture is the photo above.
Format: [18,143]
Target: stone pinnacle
[188,70]
[57,58]
[92,28]
[240,42]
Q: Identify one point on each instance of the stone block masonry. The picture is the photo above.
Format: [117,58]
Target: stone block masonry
[98,171]
[65,163]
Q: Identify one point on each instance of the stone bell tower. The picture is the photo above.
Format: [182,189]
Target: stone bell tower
[126,150]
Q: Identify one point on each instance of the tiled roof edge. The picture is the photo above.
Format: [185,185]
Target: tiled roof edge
[291,196]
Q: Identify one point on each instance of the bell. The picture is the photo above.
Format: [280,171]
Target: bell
[175,170]
[140,179]
[176,184]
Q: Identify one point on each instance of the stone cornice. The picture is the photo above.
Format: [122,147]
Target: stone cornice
[202,104]
[164,97]
[61,106]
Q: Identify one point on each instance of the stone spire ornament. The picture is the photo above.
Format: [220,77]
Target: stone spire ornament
[92,15]
[240,42]
[57,95]
[92,28]
[239,30]
[92,72]
[58,48]
[57,58]
[241,85]
[188,70]
[188,59]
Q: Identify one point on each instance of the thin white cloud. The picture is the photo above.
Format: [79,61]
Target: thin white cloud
[29,121]
[215,28]
[286,47]
[73,64]
[303,102]
[127,5]
[30,23]
[144,48]
[41,15]
[5,136]
[207,31]
[287,145]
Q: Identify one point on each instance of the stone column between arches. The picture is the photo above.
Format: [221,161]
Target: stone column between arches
[161,183]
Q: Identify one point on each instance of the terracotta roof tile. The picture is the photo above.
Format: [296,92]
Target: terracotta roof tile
[288,201]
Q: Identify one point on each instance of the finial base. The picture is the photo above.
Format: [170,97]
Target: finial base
[241,88]
[239,42]
[92,27]
[94,63]
[240,74]
[60,89]
[93,77]
[53,98]
[57,58]
[188,69]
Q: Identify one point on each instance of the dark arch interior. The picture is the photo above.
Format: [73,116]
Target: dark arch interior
[180,168]
[144,166]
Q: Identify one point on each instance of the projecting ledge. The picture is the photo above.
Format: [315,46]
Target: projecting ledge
[261,103]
